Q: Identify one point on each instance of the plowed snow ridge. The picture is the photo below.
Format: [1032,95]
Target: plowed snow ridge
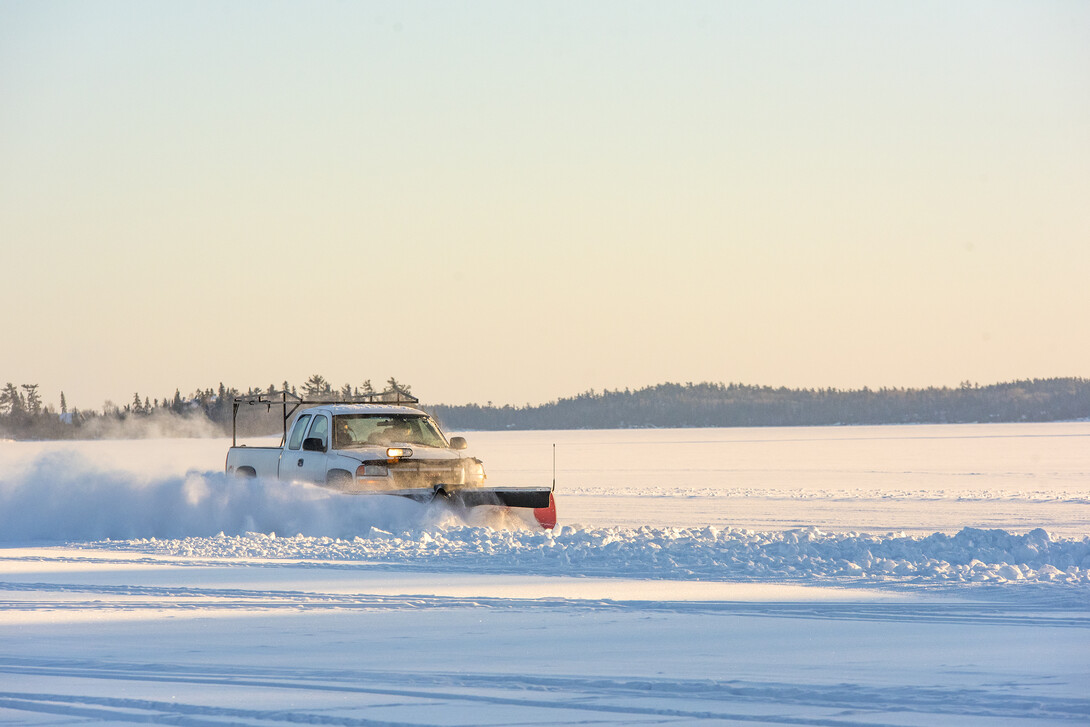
[979,556]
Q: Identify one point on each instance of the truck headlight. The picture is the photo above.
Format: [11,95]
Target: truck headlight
[475,471]
[372,470]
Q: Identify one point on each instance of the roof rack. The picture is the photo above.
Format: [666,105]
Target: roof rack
[291,402]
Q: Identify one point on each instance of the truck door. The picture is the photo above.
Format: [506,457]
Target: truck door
[312,466]
[292,459]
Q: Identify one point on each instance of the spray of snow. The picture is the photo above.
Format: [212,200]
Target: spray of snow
[156,425]
[61,496]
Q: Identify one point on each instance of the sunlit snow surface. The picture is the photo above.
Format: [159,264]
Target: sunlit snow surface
[833,576]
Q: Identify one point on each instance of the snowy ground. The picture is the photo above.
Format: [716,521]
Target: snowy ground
[821,576]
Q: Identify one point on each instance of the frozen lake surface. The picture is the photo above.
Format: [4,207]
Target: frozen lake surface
[817,576]
[918,479]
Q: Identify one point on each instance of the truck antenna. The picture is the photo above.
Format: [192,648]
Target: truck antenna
[554,468]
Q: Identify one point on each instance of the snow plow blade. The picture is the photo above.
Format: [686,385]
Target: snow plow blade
[507,496]
[540,500]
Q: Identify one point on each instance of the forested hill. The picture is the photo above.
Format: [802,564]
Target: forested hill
[738,405]
[23,414]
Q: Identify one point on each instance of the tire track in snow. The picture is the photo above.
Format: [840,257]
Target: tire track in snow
[629,699]
[142,711]
[154,598]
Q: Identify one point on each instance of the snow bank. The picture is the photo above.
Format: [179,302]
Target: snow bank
[61,496]
[677,553]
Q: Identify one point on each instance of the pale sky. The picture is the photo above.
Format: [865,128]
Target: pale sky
[513,202]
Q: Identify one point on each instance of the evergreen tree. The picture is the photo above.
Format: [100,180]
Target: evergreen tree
[316,385]
[32,401]
[11,401]
[64,404]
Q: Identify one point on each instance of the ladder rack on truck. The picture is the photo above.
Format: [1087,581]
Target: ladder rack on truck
[291,403]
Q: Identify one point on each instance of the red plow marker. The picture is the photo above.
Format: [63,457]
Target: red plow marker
[546,516]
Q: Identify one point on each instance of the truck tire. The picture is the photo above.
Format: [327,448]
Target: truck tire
[338,479]
[246,473]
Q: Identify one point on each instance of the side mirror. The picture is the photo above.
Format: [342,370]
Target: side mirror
[313,444]
[458,443]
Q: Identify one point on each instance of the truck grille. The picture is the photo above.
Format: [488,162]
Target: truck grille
[421,473]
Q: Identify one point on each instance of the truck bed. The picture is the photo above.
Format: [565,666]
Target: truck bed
[261,462]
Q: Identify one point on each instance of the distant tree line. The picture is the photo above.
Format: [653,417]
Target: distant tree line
[24,416]
[740,405]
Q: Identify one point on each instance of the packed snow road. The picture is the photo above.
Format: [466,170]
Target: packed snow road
[761,581]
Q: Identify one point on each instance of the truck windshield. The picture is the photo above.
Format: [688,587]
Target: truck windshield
[361,430]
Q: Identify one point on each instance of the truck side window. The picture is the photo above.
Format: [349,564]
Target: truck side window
[297,432]
[320,430]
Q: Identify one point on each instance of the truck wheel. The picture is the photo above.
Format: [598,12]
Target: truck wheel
[245,473]
[338,479]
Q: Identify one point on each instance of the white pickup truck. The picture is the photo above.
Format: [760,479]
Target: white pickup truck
[366,447]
